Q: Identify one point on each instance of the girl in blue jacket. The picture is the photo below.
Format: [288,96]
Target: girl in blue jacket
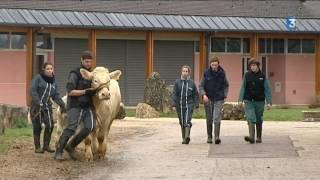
[185,99]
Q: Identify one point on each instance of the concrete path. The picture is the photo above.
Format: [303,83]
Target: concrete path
[291,150]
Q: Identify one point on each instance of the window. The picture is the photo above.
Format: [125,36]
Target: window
[294,46]
[196,46]
[265,46]
[218,45]
[18,40]
[44,41]
[233,44]
[308,46]
[246,45]
[4,41]
[277,45]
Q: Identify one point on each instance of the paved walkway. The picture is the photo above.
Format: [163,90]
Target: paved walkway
[155,152]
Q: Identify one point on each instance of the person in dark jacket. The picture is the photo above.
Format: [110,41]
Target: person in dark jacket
[255,90]
[185,98]
[43,89]
[214,89]
[80,108]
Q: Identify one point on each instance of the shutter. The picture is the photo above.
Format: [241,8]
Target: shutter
[67,54]
[170,56]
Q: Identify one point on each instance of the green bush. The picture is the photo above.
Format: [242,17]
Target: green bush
[20,122]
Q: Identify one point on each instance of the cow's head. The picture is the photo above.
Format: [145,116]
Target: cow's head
[100,78]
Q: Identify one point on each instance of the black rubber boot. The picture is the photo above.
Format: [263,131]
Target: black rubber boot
[61,144]
[37,147]
[259,132]
[46,140]
[187,134]
[209,133]
[251,137]
[183,135]
[70,148]
[217,139]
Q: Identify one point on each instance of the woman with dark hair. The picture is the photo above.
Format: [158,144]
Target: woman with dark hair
[255,93]
[185,99]
[43,90]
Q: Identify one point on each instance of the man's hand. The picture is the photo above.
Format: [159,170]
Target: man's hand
[63,109]
[90,92]
[197,109]
[205,99]
[173,108]
[268,106]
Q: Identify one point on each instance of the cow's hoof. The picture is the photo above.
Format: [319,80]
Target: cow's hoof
[101,156]
[89,157]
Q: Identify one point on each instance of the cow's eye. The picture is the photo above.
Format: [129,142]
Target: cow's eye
[95,81]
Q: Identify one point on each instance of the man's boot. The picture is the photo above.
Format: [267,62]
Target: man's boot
[251,136]
[187,134]
[217,139]
[259,132]
[209,133]
[183,135]
[70,147]
[36,140]
[61,144]
[46,140]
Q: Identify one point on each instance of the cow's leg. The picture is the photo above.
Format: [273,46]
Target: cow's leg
[102,146]
[89,119]
[94,142]
[88,151]
[102,139]
[62,123]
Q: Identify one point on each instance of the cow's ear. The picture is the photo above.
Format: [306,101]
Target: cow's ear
[115,74]
[86,74]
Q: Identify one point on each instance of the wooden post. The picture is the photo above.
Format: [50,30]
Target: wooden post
[317,64]
[29,62]
[203,54]
[149,53]
[93,46]
[254,48]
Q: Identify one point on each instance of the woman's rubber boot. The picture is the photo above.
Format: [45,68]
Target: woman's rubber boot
[37,147]
[46,141]
[209,133]
[259,132]
[251,136]
[187,134]
[183,135]
[217,139]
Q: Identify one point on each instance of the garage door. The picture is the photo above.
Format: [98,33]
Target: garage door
[170,56]
[129,57]
[67,53]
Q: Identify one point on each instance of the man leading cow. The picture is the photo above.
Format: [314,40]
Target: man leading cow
[80,107]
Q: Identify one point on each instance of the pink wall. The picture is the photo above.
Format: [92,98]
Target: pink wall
[50,57]
[300,79]
[277,73]
[13,77]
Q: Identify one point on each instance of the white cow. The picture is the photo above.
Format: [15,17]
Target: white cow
[107,102]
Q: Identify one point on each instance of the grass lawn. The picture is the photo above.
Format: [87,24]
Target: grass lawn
[13,134]
[281,113]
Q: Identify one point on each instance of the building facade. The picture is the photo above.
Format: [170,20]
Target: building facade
[139,44]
